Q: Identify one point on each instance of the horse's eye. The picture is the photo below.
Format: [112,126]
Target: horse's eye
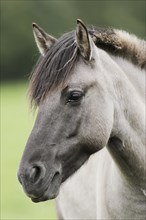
[74,96]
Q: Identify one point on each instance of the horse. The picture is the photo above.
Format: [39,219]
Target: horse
[87,146]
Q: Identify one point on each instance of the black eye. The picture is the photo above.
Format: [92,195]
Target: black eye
[74,96]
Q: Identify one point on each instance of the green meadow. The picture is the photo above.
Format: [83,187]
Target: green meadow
[16,123]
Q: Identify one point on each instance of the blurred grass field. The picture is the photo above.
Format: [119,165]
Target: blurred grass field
[16,124]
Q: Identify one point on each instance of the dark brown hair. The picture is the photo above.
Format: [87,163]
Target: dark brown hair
[56,66]
[52,69]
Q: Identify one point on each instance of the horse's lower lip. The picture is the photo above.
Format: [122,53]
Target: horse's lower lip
[39,199]
[46,196]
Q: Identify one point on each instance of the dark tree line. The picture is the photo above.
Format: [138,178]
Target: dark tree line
[18,50]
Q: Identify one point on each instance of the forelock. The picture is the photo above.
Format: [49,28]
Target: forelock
[53,69]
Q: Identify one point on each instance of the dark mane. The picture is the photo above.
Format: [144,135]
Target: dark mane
[54,68]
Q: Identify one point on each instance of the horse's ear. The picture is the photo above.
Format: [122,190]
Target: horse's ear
[43,40]
[84,41]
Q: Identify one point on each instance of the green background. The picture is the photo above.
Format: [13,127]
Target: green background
[18,55]
[16,123]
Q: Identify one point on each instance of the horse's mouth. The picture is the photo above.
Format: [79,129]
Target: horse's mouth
[51,192]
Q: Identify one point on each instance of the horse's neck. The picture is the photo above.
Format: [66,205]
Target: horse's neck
[128,138]
[130,98]
[135,74]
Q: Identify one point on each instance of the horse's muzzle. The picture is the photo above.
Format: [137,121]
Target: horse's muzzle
[37,184]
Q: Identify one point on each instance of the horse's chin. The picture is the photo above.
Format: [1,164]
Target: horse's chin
[46,196]
[51,192]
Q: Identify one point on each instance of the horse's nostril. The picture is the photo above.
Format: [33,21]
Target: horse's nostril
[37,173]
[34,174]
